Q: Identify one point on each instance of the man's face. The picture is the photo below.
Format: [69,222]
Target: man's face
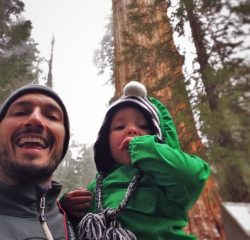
[31,138]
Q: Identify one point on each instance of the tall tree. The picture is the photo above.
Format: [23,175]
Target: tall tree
[220,30]
[144,50]
[18,52]
[49,81]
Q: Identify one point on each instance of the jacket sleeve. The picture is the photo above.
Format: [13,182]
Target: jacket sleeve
[182,176]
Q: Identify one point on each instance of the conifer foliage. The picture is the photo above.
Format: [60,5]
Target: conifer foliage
[220,34]
[18,52]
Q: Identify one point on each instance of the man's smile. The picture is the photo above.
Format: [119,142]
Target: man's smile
[32,142]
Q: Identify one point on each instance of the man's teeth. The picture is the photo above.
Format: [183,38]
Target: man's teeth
[32,140]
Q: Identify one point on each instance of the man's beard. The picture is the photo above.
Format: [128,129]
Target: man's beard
[24,172]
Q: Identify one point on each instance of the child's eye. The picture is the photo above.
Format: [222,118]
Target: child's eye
[144,126]
[119,127]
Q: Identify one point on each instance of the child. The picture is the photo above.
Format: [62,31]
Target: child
[145,184]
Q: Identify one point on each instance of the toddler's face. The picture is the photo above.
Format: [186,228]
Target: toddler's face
[127,123]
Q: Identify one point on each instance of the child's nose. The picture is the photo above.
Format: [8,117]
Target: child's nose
[132,131]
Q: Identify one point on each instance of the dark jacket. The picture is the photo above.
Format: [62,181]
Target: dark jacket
[21,212]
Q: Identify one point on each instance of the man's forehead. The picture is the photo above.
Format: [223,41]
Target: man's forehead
[35,98]
[35,95]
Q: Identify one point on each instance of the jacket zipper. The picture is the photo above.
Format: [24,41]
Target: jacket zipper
[43,219]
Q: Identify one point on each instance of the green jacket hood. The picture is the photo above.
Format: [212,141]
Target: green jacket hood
[157,115]
[167,125]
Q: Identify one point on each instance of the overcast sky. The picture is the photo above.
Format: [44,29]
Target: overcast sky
[78,26]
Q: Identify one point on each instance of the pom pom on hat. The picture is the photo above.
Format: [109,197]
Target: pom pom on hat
[134,88]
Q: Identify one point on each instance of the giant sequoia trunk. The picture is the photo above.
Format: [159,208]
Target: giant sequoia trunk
[145,51]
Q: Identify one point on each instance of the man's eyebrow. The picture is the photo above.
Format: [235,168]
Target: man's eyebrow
[54,107]
[21,103]
[26,103]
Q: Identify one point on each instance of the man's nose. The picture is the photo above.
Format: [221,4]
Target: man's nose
[35,119]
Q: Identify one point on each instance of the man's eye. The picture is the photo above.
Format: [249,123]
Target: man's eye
[18,113]
[54,117]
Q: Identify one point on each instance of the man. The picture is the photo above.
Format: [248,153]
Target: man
[34,137]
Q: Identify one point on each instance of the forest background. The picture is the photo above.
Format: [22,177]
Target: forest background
[214,93]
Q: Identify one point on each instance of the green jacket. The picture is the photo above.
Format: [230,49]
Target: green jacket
[171,183]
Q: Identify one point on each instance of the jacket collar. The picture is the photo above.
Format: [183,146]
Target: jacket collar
[24,199]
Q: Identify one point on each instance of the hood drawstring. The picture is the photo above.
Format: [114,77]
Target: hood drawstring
[104,225]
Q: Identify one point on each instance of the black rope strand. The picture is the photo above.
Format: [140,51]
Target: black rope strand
[104,225]
[131,188]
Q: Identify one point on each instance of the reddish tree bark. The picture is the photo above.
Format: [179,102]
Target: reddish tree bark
[144,50]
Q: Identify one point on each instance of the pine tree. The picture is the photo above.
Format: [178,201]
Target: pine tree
[49,81]
[220,30]
[18,52]
[77,168]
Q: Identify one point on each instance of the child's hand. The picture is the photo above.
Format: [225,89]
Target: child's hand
[125,156]
[76,203]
